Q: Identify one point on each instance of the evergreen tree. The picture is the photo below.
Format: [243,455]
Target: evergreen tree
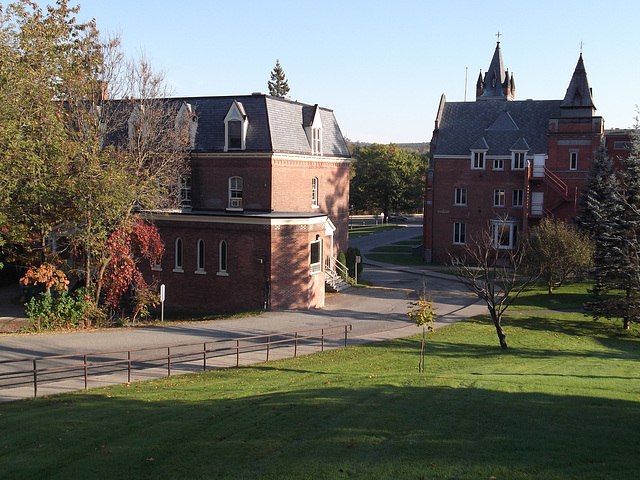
[278,85]
[610,213]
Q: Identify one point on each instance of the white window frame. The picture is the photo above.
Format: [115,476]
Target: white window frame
[460,196]
[184,191]
[497,229]
[573,160]
[200,257]
[517,198]
[315,267]
[314,192]
[236,192]
[316,140]
[459,233]
[499,197]
[478,159]
[518,160]
[236,114]
[222,258]
[498,164]
[178,257]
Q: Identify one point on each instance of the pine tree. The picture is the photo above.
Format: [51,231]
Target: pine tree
[278,85]
[610,213]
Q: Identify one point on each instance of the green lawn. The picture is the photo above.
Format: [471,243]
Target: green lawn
[358,232]
[561,403]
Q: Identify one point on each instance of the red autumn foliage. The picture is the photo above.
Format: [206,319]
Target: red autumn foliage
[126,247]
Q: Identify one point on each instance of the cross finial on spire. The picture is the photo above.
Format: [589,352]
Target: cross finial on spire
[498,35]
[581,45]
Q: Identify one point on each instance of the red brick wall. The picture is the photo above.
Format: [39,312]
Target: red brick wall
[293,285]
[243,289]
[210,182]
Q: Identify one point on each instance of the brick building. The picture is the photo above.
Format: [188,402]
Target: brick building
[264,210]
[501,165]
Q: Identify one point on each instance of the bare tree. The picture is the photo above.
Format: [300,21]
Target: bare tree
[494,275]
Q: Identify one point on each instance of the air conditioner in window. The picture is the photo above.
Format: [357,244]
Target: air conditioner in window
[236,203]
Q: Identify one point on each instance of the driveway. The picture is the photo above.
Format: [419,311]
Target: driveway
[375,313]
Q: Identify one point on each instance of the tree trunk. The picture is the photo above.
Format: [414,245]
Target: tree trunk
[501,335]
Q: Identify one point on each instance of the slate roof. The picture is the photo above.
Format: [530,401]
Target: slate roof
[275,125]
[502,125]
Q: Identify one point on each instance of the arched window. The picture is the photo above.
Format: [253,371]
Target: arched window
[314,192]
[235,192]
[177,267]
[200,259]
[222,254]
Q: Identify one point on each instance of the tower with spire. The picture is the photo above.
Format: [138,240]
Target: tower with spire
[504,164]
[497,83]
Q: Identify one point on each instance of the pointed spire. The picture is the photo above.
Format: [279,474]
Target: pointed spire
[496,80]
[578,101]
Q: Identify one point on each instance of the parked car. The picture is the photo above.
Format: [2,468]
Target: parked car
[394,217]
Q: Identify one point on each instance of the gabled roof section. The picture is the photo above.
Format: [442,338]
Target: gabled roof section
[579,96]
[521,145]
[461,124]
[480,144]
[504,122]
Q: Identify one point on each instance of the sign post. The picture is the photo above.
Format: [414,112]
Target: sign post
[358,260]
[162,295]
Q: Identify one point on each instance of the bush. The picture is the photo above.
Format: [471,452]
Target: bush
[342,259]
[64,311]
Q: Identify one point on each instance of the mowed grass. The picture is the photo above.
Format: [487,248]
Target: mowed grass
[357,232]
[563,402]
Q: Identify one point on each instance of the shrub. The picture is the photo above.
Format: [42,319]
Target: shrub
[342,258]
[64,311]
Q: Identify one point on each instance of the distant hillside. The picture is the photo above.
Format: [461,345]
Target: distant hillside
[420,147]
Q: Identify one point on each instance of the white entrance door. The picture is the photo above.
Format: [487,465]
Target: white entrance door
[537,202]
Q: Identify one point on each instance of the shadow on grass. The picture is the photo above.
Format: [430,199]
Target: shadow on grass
[370,430]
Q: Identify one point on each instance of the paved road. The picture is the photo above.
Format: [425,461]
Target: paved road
[375,313]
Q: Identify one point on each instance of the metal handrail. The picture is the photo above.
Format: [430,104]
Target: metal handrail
[206,349]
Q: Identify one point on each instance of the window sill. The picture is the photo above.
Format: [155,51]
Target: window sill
[234,209]
[222,274]
[156,268]
[200,272]
[178,270]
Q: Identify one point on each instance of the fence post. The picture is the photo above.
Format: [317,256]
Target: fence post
[204,357]
[129,366]
[322,349]
[345,335]
[237,352]
[35,378]
[168,361]
[268,345]
[86,380]
[295,347]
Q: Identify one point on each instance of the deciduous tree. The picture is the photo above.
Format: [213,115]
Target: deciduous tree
[386,178]
[557,252]
[495,275]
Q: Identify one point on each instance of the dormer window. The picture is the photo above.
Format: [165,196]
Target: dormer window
[137,128]
[235,127]
[186,126]
[518,160]
[477,160]
[313,129]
